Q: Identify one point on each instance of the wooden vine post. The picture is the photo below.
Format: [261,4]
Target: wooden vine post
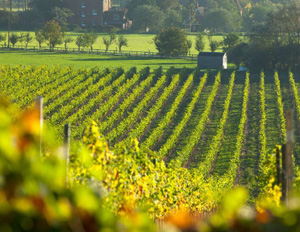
[287,159]
[67,142]
[278,167]
[39,104]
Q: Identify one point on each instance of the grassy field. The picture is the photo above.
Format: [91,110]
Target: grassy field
[88,60]
[136,42]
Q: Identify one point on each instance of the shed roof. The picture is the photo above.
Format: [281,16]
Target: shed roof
[211,54]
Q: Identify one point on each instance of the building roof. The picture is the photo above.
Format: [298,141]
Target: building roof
[211,54]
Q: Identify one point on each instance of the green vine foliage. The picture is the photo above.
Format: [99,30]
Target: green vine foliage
[33,192]
[105,187]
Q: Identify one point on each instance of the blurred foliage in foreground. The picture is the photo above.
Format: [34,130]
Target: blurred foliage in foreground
[33,196]
[106,188]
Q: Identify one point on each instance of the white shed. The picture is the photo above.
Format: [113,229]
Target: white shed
[212,60]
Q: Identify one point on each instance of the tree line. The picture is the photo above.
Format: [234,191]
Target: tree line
[52,34]
[272,44]
[169,42]
[173,41]
[153,15]
[198,15]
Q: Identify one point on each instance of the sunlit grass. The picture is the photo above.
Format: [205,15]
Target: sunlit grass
[88,60]
[136,42]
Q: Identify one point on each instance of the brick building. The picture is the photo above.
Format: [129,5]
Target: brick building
[88,13]
[117,18]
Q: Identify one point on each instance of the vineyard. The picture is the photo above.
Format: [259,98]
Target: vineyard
[221,125]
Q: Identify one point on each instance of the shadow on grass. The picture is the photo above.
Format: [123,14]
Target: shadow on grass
[131,59]
[113,58]
[31,53]
[173,63]
[102,57]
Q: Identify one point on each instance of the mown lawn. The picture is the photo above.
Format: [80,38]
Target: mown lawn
[88,60]
[136,42]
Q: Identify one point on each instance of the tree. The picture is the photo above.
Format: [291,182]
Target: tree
[189,45]
[189,12]
[199,43]
[191,5]
[26,38]
[122,41]
[259,13]
[237,53]
[107,43]
[39,38]
[133,4]
[167,4]
[228,5]
[91,38]
[171,42]
[172,19]
[4,5]
[276,43]
[147,17]
[81,42]
[30,18]
[52,33]
[61,16]
[221,20]
[66,41]
[14,38]
[46,7]
[2,38]
[110,39]
[230,41]
[213,44]
[283,26]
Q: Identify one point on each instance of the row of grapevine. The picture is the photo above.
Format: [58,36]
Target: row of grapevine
[129,100]
[101,97]
[105,107]
[167,113]
[235,161]
[196,135]
[130,180]
[170,143]
[132,117]
[158,131]
[297,103]
[66,110]
[73,79]
[280,108]
[296,94]
[103,94]
[154,111]
[45,82]
[61,77]
[267,164]
[73,92]
[262,130]
[206,165]
[15,79]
